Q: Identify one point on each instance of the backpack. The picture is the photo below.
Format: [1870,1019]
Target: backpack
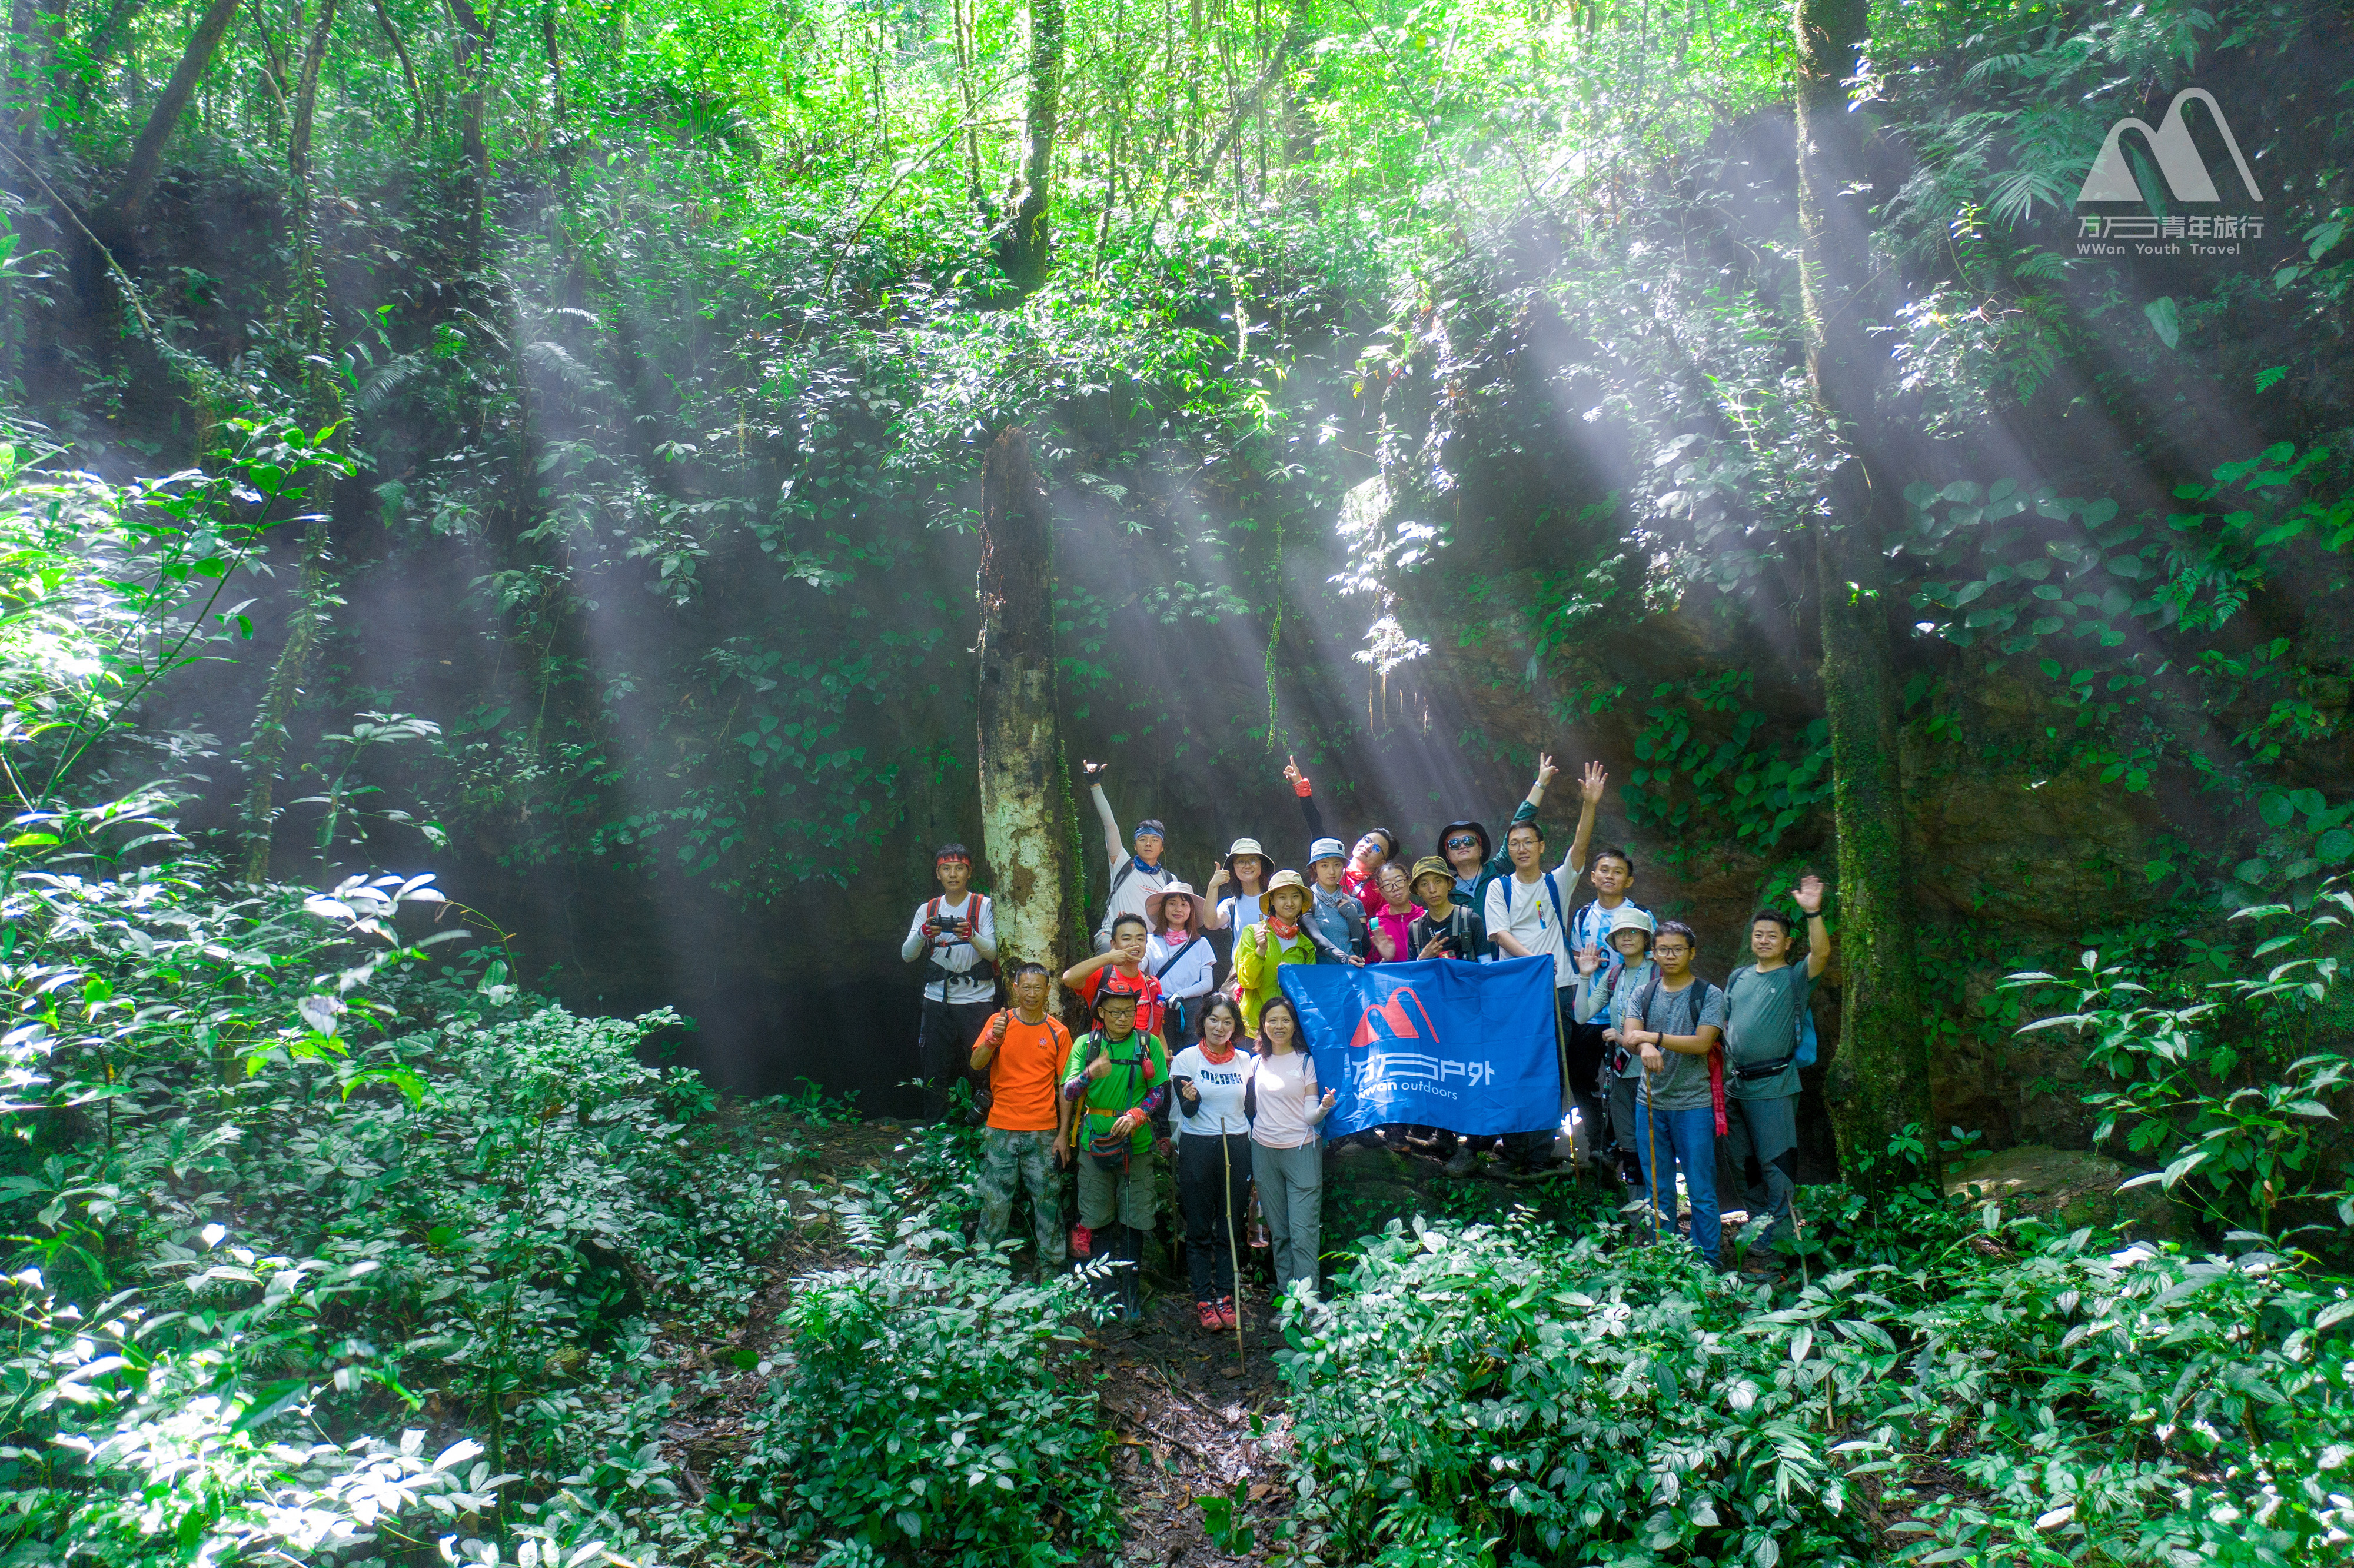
[983,969]
[1697,991]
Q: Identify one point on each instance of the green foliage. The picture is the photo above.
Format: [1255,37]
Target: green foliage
[277,1179]
[1710,773]
[106,589]
[927,1403]
[2227,1095]
[1496,1395]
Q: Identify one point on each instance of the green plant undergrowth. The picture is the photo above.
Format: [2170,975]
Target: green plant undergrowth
[1505,1394]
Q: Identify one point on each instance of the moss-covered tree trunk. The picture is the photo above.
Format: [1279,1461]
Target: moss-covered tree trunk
[1027,249]
[1024,808]
[1879,1077]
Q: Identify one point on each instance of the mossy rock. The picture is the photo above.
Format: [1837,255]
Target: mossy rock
[2070,1188]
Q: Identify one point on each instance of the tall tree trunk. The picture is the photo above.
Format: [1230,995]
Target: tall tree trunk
[408,70]
[147,156]
[1025,801]
[473,55]
[313,597]
[306,108]
[555,63]
[309,605]
[1027,249]
[1879,1077]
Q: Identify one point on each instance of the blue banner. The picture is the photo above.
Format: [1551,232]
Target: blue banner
[1443,1043]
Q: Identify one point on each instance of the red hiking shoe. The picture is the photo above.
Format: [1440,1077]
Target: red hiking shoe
[1227,1318]
[1212,1316]
[1083,1242]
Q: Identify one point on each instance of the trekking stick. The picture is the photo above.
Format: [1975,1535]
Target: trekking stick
[1652,1129]
[1561,1053]
[1233,1249]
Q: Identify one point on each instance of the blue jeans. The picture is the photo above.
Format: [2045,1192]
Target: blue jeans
[1685,1139]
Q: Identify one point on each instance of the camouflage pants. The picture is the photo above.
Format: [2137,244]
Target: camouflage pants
[1028,1158]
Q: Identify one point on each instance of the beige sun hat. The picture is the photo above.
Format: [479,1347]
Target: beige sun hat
[1242,847]
[1156,899]
[1281,880]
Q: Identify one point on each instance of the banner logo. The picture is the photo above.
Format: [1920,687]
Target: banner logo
[2112,177]
[1396,1023]
[2183,172]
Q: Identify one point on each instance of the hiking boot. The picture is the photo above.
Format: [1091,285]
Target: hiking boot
[1228,1317]
[1083,1241]
[1211,1316]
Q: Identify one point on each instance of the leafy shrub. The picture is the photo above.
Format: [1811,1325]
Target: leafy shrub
[928,1404]
[1504,1394]
[2227,1091]
[257,1229]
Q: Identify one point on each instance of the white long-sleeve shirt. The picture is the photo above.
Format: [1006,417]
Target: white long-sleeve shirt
[955,956]
[1132,883]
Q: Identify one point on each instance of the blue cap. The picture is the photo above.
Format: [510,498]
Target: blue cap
[1326,848]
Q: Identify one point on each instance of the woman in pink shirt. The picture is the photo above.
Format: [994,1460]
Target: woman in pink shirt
[1387,926]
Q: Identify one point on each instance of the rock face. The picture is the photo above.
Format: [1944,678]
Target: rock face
[2070,1188]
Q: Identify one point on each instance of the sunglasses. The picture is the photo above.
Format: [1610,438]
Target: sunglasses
[1461,840]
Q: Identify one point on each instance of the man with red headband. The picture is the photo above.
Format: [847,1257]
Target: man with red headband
[956,935]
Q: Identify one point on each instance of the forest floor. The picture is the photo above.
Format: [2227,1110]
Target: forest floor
[1192,1416]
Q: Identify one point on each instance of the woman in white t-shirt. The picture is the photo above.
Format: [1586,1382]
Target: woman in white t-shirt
[1180,957]
[1247,872]
[1285,1111]
[1213,1156]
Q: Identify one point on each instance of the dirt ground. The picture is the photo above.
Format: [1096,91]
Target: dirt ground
[1191,1415]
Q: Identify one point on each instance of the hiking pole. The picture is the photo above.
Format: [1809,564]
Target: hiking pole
[1233,1249]
[1652,1129]
[1561,1053]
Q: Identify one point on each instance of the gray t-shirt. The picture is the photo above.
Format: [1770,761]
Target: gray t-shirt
[1683,1083]
[1762,1009]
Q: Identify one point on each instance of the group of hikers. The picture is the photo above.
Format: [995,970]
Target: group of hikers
[1203,1061]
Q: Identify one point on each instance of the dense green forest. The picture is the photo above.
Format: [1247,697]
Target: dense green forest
[493,502]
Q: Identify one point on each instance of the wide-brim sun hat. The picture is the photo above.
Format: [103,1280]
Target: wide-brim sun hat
[1157,898]
[1281,880]
[1487,844]
[1629,919]
[1242,847]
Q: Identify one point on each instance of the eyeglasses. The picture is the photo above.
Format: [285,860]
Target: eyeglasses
[1461,840]
[1665,951]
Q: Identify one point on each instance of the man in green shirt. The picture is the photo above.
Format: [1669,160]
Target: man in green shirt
[1117,1079]
[1764,1003]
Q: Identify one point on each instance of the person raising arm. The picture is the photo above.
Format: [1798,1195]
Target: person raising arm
[1135,874]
